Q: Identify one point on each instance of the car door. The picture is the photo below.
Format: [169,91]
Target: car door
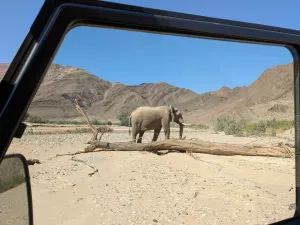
[56,18]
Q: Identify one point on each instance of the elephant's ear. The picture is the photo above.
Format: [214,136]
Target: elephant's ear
[172,113]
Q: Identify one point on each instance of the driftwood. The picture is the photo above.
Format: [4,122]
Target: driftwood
[33,161]
[189,146]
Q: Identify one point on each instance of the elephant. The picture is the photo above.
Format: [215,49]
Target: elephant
[154,118]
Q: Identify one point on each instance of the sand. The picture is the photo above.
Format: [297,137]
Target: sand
[144,188]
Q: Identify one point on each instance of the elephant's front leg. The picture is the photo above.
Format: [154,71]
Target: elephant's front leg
[166,126]
[156,133]
[167,132]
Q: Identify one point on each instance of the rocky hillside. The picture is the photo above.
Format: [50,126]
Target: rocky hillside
[271,95]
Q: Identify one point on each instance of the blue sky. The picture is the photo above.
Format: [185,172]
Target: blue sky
[134,58]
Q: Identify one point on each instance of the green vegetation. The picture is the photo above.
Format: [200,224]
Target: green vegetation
[199,126]
[229,125]
[96,122]
[273,125]
[256,129]
[124,118]
[232,126]
[280,124]
[37,119]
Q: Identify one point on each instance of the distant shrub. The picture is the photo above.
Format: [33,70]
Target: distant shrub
[35,119]
[256,129]
[68,122]
[271,123]
[284,124]
[232,126]
[229,125]
[97,123]
[124,118]
[261,127]
[235,127]
[199,126]
[75,122]
[220,123]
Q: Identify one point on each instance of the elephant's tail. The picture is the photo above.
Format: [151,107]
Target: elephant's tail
[129,124]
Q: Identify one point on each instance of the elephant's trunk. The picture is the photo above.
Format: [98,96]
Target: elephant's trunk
[180,130]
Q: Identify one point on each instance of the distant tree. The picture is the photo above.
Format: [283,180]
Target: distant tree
[124,118]
[109,123]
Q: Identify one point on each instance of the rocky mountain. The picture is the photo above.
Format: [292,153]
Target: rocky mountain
[271,95]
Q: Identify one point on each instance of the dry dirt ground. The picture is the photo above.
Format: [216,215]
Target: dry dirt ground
[144,188]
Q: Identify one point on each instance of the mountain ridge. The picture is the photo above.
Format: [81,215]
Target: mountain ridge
[270,95]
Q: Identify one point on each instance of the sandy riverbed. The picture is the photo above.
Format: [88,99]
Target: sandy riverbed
[144,188]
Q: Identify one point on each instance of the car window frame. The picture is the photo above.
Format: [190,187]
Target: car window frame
[57,18]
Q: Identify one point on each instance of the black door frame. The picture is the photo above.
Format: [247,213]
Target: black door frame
[56,18]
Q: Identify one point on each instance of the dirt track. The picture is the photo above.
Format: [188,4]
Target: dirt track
[144,188]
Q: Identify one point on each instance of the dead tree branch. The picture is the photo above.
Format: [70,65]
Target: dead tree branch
[73,154]
[33,161]
[82,112]
[96,131]
[87,164]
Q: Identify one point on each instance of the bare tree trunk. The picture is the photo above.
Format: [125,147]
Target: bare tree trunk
[192,147]
[81,111]
[101,129]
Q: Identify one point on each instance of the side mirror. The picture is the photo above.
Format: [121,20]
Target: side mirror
[15,191]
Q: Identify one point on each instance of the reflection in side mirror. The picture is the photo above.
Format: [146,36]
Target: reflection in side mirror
[15,191]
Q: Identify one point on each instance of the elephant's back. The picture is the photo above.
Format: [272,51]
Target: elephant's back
[147,112]
[149,109]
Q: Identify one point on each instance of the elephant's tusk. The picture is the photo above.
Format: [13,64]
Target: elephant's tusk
[186,124]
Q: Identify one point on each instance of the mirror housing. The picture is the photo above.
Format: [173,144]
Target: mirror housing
[15,191]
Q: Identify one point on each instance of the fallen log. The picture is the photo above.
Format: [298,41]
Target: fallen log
[191,146]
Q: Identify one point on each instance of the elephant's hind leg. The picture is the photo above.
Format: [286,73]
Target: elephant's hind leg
[140,137]
[134,134]
[156,133]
